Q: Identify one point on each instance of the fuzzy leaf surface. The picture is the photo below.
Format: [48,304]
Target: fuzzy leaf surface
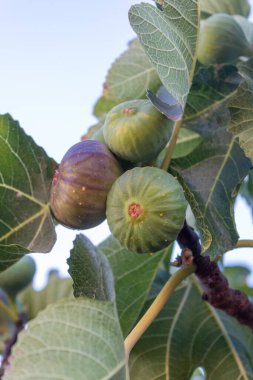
[188,334]
[232,7]
[168,34]
[26,173]
[70,340]
[90,271]
[242,111]
[131,75]
[133,274]
[209,185]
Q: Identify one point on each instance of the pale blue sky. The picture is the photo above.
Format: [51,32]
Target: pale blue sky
[54,58]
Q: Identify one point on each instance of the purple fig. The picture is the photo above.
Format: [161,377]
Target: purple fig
[81,184]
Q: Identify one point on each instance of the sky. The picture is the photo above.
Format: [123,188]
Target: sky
[54,58]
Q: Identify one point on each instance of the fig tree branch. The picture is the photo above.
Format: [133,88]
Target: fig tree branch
[215,285]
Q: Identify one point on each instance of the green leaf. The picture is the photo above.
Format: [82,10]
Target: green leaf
[133,274]
[10,254]
[211,87]
[26,173]
[237,275]
[211,176]
[90,271]
[168,35]
[242,111]
[131,75]
[186,143]
[232,7]
[34,301]
[71,339]
[187,334]
[91,131]
[103,106]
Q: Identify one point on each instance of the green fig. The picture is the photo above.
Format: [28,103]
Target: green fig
[81,184]
[146,209]
[136,131]
[222,40]
[18,276]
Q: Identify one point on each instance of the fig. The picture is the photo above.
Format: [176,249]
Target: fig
[136,131]
[146,209]
[18,276]
[221,40]
[81,184]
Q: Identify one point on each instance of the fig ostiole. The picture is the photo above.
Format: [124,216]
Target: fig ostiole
[81,184]
[146,209]
[136,131]
[222,40]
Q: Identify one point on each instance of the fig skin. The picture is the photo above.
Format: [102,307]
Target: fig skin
[146,209]
[221,40]
[81,184]
[136,131]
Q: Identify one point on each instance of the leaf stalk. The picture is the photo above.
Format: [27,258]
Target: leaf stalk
[244,244]
[156,307]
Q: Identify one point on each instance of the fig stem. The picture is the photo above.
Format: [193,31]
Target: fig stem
[156,307]
[9,312]
[172,143]
[244,244]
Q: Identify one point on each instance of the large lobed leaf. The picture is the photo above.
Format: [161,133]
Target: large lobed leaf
[70,340]
[211,87]
[130,75]
[133,274]
[168,35]
[25,176]
[241,108]
[187,334]
[211,176]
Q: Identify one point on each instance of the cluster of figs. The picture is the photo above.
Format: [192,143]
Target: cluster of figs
[144,205]
[110,176]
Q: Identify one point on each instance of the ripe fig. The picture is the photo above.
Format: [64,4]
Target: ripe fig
[81,184]
[136,131]
[146,209]
[18,276]
[221,40]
